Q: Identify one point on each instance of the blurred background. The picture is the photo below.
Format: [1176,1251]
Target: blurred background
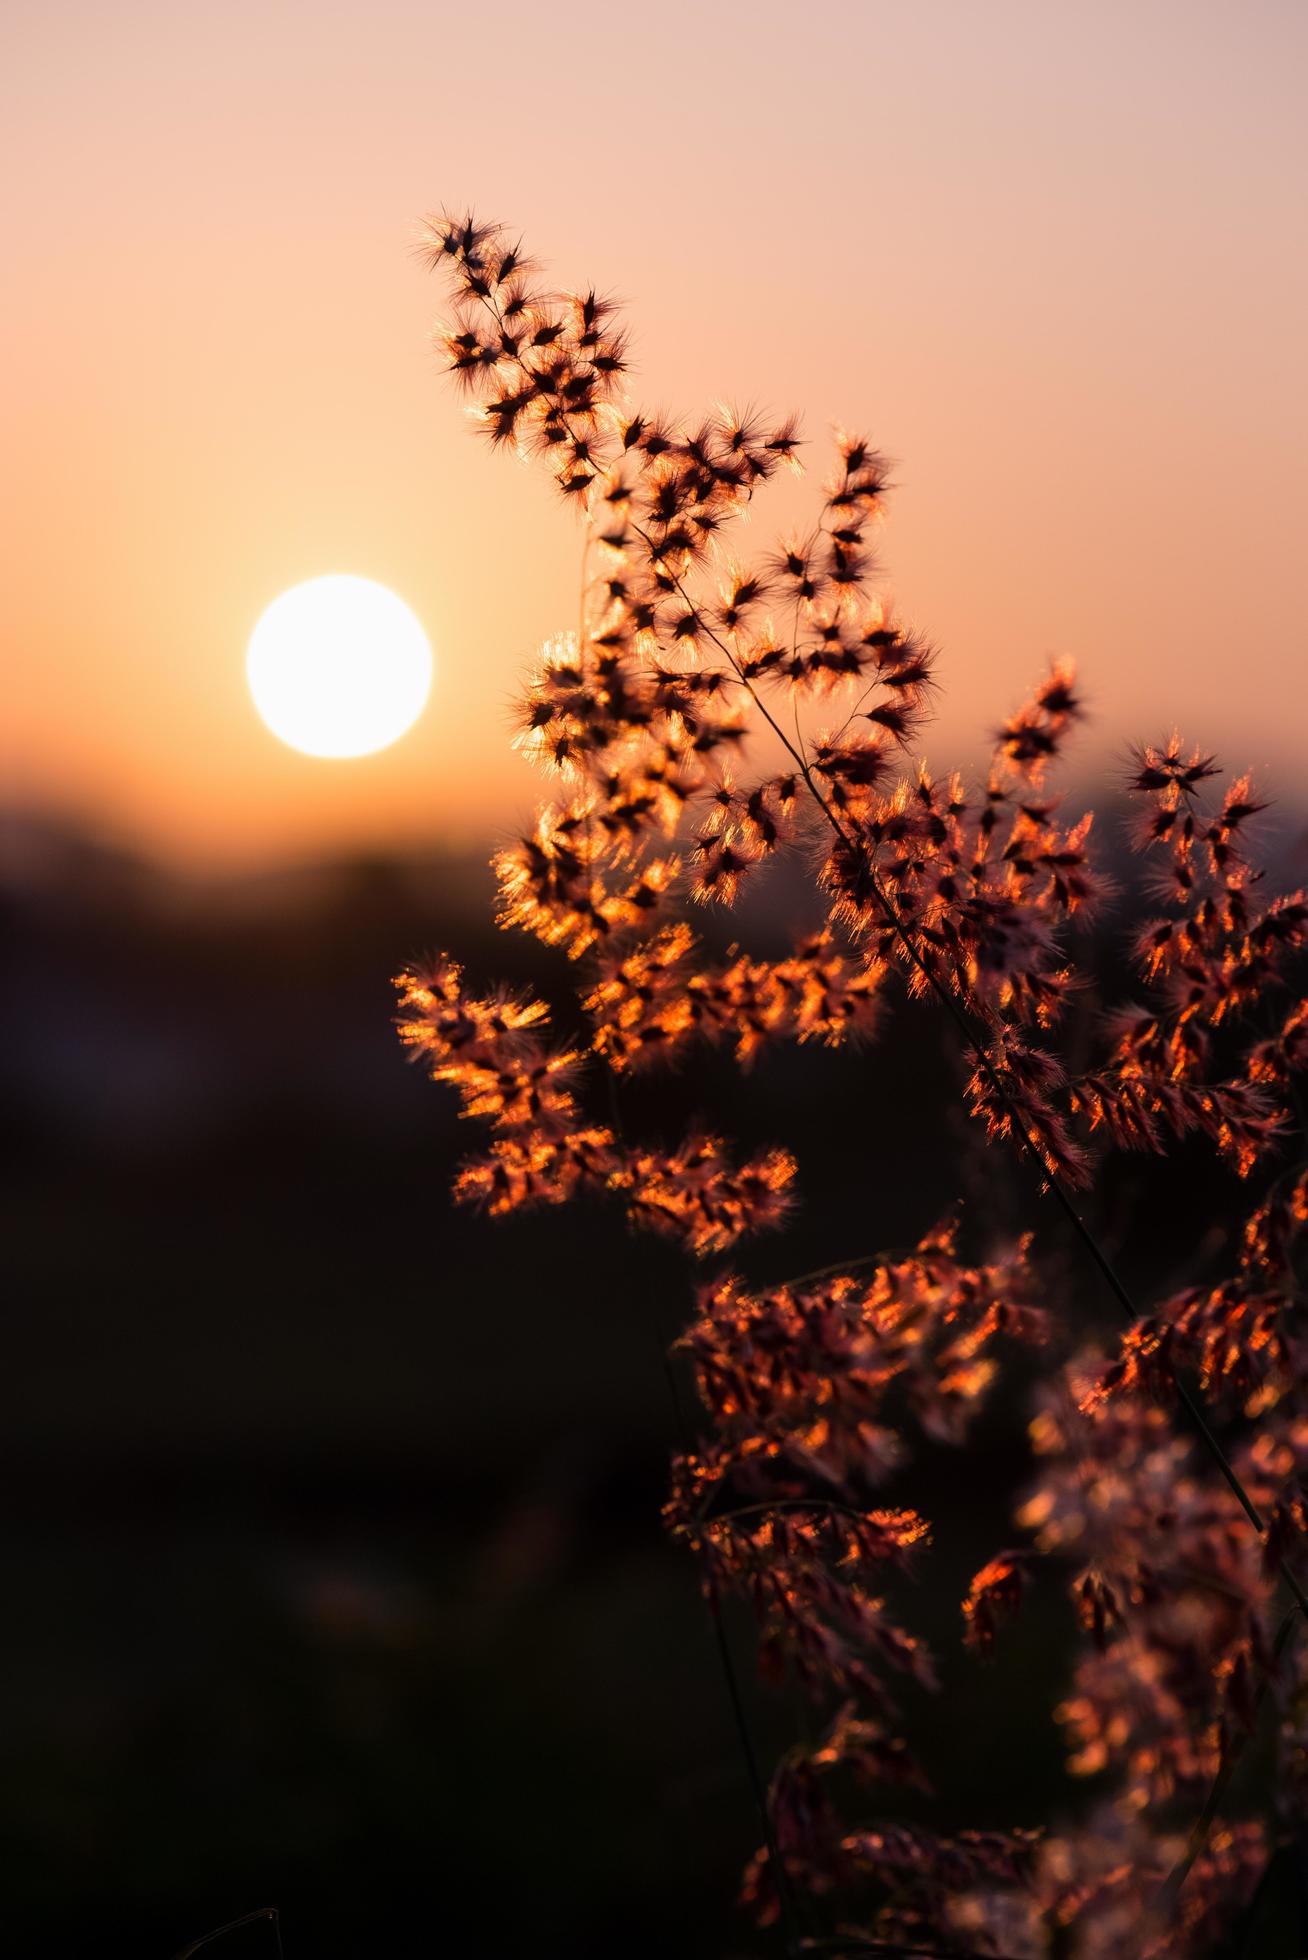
[330,1516]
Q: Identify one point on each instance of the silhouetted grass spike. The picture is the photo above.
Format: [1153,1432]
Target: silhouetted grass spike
[711,713]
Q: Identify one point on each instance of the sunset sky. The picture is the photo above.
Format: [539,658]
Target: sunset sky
[1050,257]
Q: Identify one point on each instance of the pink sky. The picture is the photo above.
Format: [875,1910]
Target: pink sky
[1049,257]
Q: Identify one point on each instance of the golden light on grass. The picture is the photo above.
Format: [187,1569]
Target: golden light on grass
[339,666]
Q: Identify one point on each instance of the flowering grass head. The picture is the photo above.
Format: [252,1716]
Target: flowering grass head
[711,713]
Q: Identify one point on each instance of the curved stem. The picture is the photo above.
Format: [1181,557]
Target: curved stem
[1049,1177]
[233,1926]
[1225,1771]
[753,1770]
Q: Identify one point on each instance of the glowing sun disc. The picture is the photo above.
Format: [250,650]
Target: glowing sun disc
[338,666]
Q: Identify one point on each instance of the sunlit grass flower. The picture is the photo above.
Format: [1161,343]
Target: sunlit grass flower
[711,714]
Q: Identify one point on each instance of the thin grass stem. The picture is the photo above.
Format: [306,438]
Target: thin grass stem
[1050,1180]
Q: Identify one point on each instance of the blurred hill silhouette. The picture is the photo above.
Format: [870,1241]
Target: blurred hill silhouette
[331,1513]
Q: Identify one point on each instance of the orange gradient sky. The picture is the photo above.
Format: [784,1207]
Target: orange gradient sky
[1050,257]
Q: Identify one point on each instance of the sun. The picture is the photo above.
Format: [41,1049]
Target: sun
[338,666]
